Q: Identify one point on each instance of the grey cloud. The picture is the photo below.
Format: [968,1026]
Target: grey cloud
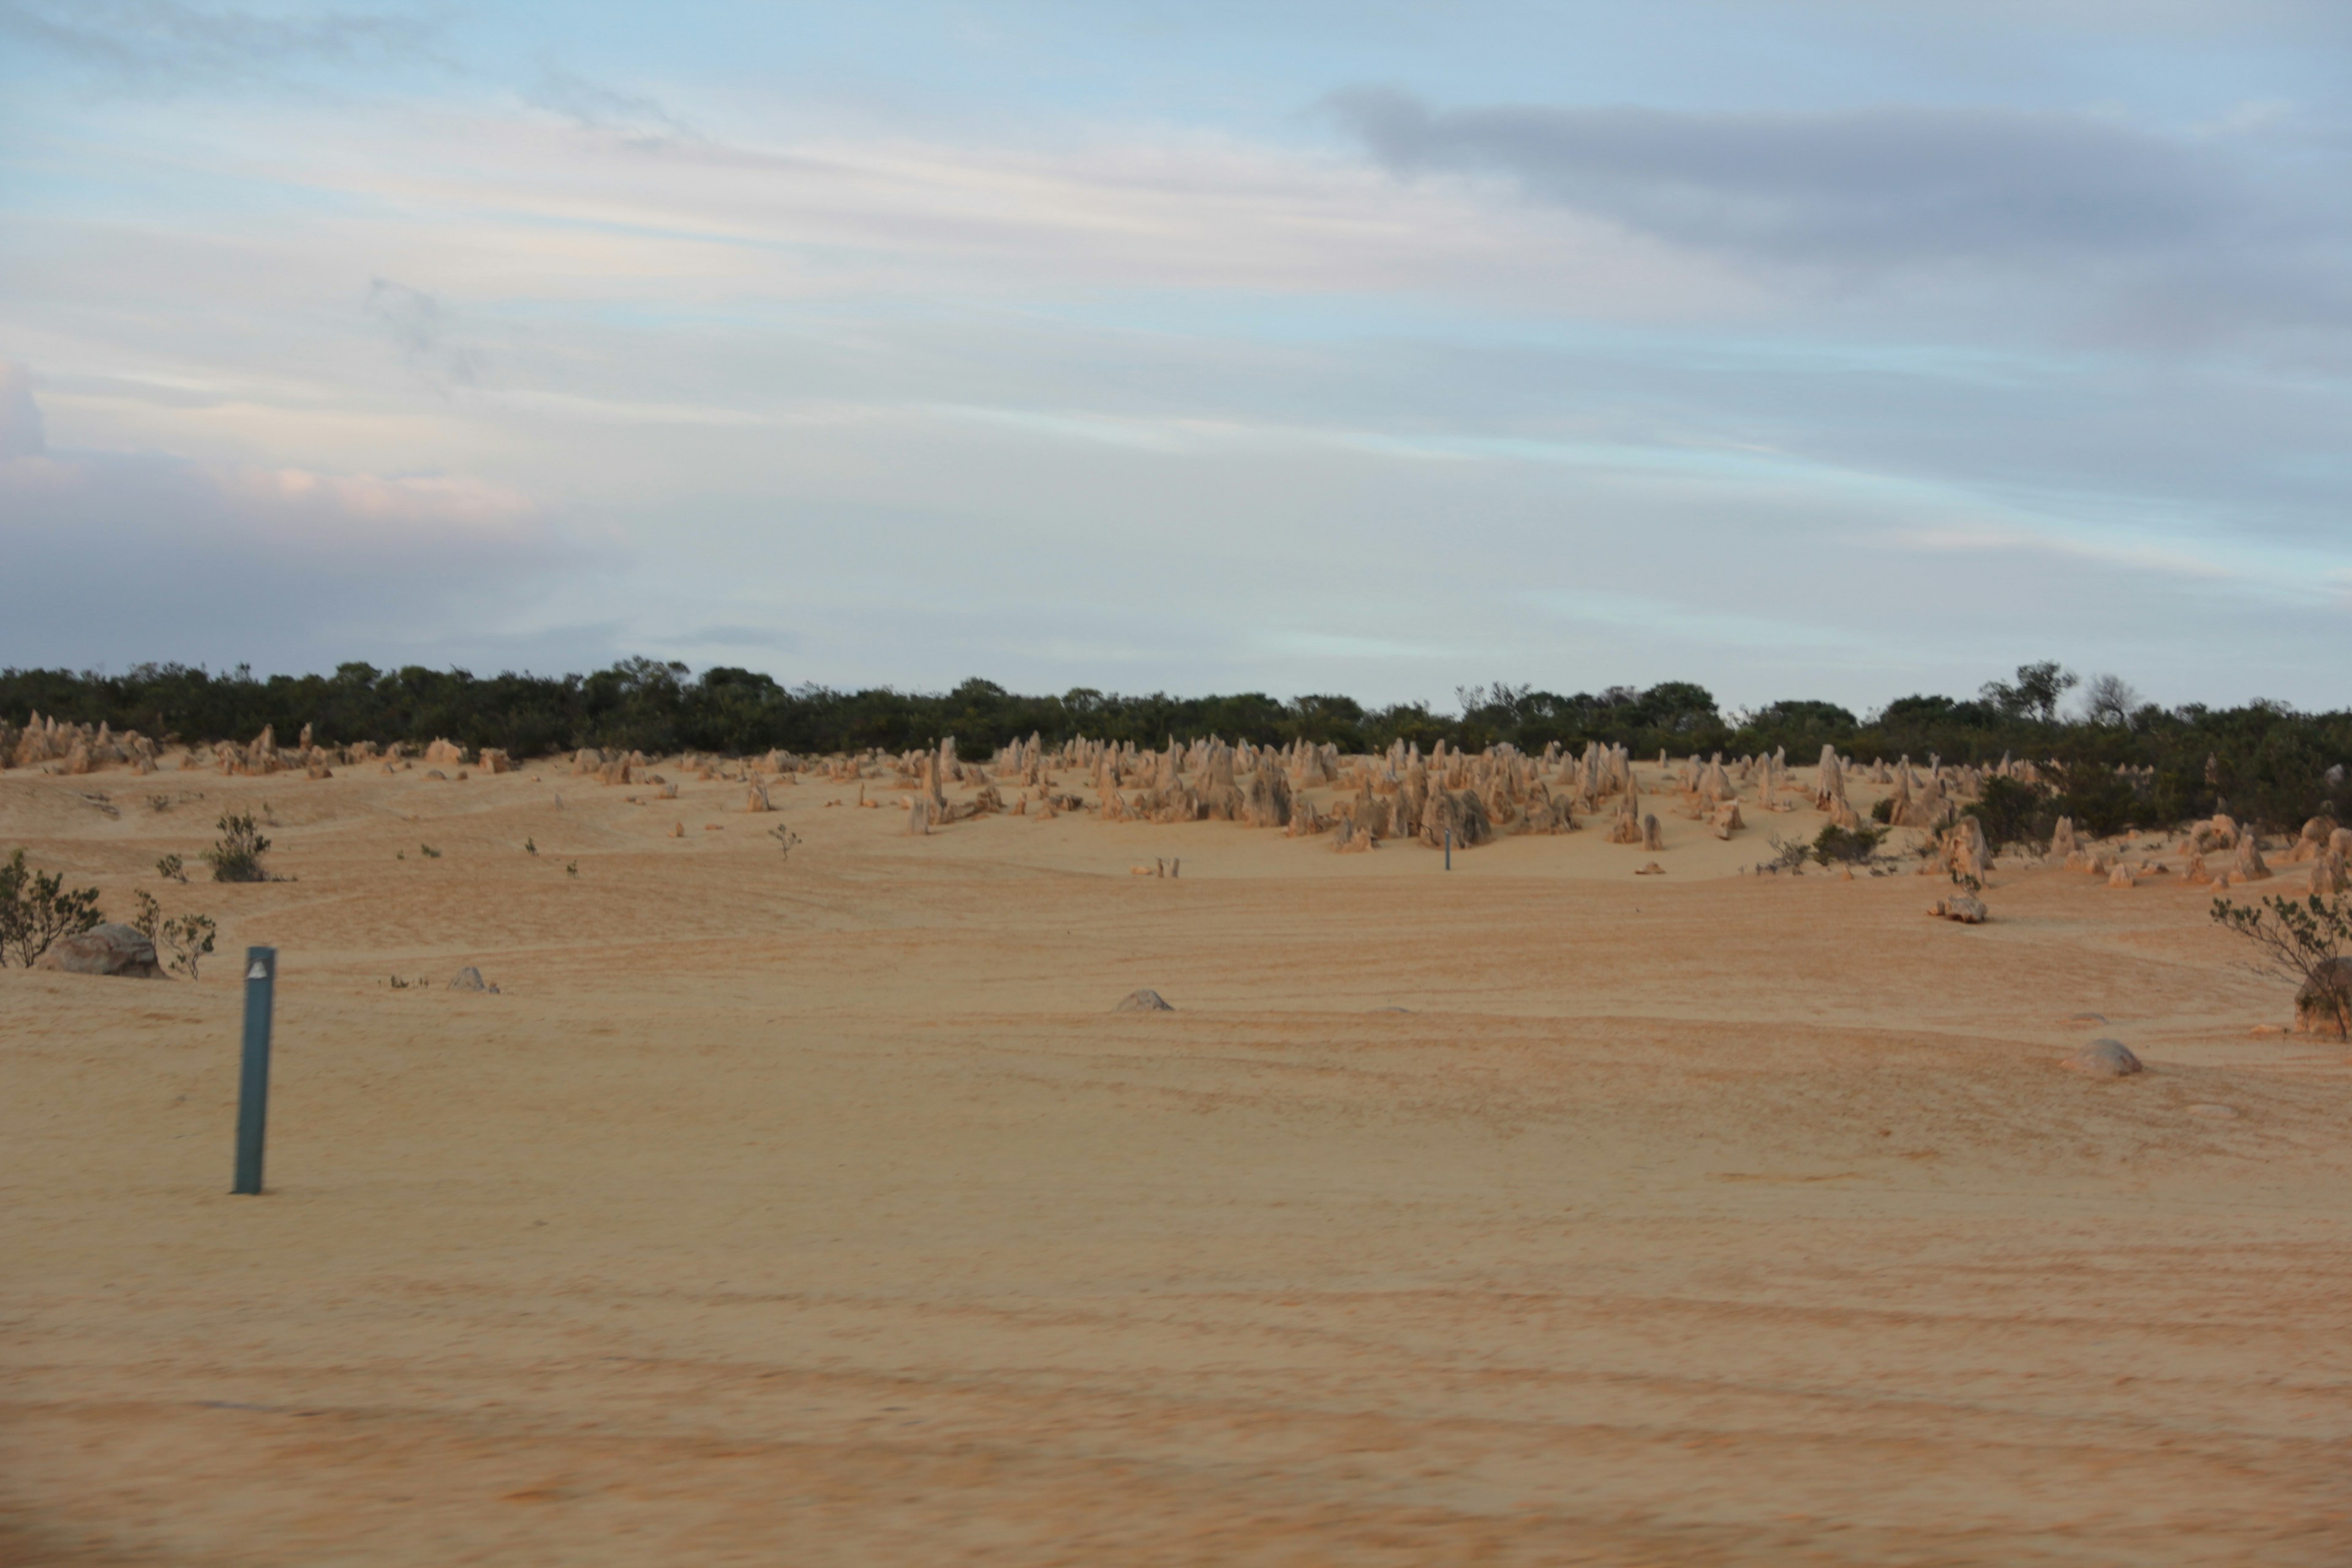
[156,42]
[425,333]
[2168,235]
[1894,183]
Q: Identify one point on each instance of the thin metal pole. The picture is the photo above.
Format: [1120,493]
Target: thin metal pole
[253,1084]
[1449,847]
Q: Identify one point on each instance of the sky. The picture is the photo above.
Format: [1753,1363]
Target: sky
[1824,348]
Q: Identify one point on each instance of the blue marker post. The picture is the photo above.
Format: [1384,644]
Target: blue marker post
[253,1085]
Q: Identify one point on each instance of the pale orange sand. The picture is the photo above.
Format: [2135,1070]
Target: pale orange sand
[822,1211]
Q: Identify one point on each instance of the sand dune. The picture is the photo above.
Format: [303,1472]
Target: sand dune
[819,1210]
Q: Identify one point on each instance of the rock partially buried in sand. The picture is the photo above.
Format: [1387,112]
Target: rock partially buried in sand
[2103,1058]
[2219,1112]
[116,950]
[469,979]
[1143,1002]
[1968,911]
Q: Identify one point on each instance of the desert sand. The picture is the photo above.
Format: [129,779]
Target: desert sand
[818,1209]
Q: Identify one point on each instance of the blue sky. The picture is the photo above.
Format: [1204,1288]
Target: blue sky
[1823,348]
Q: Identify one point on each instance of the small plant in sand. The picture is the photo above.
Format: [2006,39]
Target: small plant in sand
[428,852]
[35,909]
[1788,855]
[1835,846]
[572,868]
[172,869]
[182,942]
[786,840]
[2302,940]
[235,855]
[531,846]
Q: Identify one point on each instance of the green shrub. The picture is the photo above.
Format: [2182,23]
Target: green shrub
[2010,811]
[182,942]
[36,909]
[1853,845]
[237,856]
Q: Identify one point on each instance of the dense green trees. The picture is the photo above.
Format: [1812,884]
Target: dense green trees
[2263,761]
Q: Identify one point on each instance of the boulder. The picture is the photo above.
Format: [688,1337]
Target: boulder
[1142,1002]
[2103,1058]
[1959,907]
[117,949]
[2317,1003]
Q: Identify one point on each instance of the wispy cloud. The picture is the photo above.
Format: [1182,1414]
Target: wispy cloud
[163,44]
[601,108]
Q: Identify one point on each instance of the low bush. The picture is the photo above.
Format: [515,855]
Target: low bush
[1851,845]
[2011,811]
[237,856]
[35,909]
[181,941]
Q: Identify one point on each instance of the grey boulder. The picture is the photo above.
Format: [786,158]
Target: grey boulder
[2103,1058]
[103,950]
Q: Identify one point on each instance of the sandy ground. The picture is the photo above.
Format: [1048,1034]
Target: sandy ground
[819,1210]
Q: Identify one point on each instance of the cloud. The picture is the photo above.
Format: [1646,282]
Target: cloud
[600,108]
[156,43]
[1887,184]
[2181,224]
[129,556]
[422,331]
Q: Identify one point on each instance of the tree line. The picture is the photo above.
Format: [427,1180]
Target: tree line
[2114,760]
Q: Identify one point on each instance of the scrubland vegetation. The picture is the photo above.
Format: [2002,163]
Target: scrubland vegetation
[2110,759]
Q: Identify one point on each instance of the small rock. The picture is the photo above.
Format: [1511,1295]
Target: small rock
[117,949]
[1143,1002]
[2103,1058]
[1959,907]
[2221,1112]
[468,979]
